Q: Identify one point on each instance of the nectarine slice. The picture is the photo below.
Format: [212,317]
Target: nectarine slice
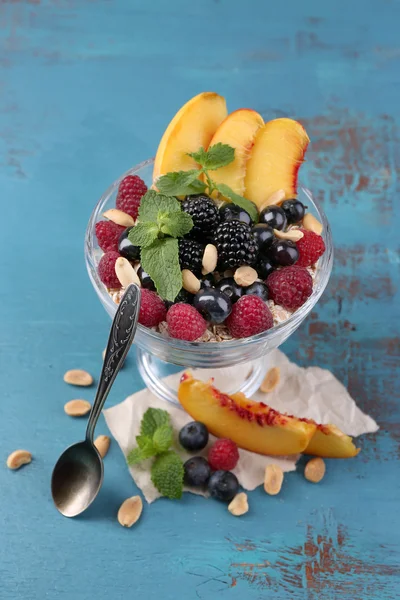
[192,127]
[328,441]
[252,425]
[275,159]
[239,131]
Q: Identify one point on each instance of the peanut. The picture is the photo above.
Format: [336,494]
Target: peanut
[78,377]
[293,235]
[119,217]
[102,443]
[18,458]
[312,224]
[273,479]
[77,408]
[239,505]
[125,272]
[245,276]
[190,282]
[315,470]
[274,198]
[210,258]
[271,380]
[130,511]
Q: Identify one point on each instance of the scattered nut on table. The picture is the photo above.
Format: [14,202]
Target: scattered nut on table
[273,479]
[102,443]
[130,511]
[239,505]
[18,458]
[77,408]
[78,377]
[315,470]
[271,380]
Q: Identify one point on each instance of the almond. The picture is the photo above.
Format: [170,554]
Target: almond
[130,511]
[239,505]
[119,217]
[245,276]
[293,235]
[78,377]
[315,470]
[102,443]
[273,479]
[271,380]
[210,258]
[275,198]
[190,282]
[312,224]
[77,408]
[18,458]
[126,273]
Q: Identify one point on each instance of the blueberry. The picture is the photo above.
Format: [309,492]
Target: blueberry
[284,253]
[193,436]
[214,305]
[145,279]
[274,216]
[233,212]
[258,288]
[264,267]
[229,287]
[294,210]
[126,248]
[197,471]
[223,485]
[264,235]
[207,282]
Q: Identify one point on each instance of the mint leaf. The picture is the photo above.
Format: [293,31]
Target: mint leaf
[251,208]
[162,438]
[176,224]
[146,449]
[153,202]
[200,157]
[134,457]
[167,475]
[143,234]
[152,419]
[181,183]
[215,157]
[161,262]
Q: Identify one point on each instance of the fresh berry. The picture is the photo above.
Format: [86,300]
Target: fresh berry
[106,270]
[229,286]
[258,288]
[197,472]
[184,296]
[193,436]
[152,309]
[185,323]
[145,279]
[290,287]
[214,305]
[205,215]
[264,267]
[283,253]
[294,210]
[274,216]
[249,316]
[107,234]
[130,192]
[207,282]
[264,235]
[235,244]
[223,454]
[191,255]
[126,248]
[233,212]
[311,247]
[223,485]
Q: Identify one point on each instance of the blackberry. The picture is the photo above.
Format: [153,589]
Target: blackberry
[236,245]
[191,255]
[205,216]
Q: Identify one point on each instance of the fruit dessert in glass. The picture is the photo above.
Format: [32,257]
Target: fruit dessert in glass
[225,246]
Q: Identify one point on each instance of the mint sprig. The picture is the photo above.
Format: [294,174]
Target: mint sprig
[155,439]
[186,182]
[161,261]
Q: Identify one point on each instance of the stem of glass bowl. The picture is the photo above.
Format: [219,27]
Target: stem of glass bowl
[245,378]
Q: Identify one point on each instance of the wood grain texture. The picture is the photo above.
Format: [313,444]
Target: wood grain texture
[86,89]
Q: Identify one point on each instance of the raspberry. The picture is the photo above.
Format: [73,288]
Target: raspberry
[185,323]
[250,315]
[106,269]
[152,309]
[130,192]
[310,248]
[223,454]
[290,287]
[107,234]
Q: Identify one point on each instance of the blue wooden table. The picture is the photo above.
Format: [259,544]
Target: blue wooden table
[86,90]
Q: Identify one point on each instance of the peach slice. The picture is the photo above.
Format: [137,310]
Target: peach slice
[252,425]
[192,127]
[239,131]
[328,441]
[275,159]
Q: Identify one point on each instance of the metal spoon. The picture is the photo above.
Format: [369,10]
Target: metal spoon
[78,473]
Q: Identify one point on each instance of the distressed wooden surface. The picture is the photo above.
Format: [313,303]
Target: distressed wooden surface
[86,89]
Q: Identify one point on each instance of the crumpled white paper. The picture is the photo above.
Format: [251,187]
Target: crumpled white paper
[305,392]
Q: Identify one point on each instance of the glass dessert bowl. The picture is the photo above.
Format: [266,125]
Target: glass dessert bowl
[156,352]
